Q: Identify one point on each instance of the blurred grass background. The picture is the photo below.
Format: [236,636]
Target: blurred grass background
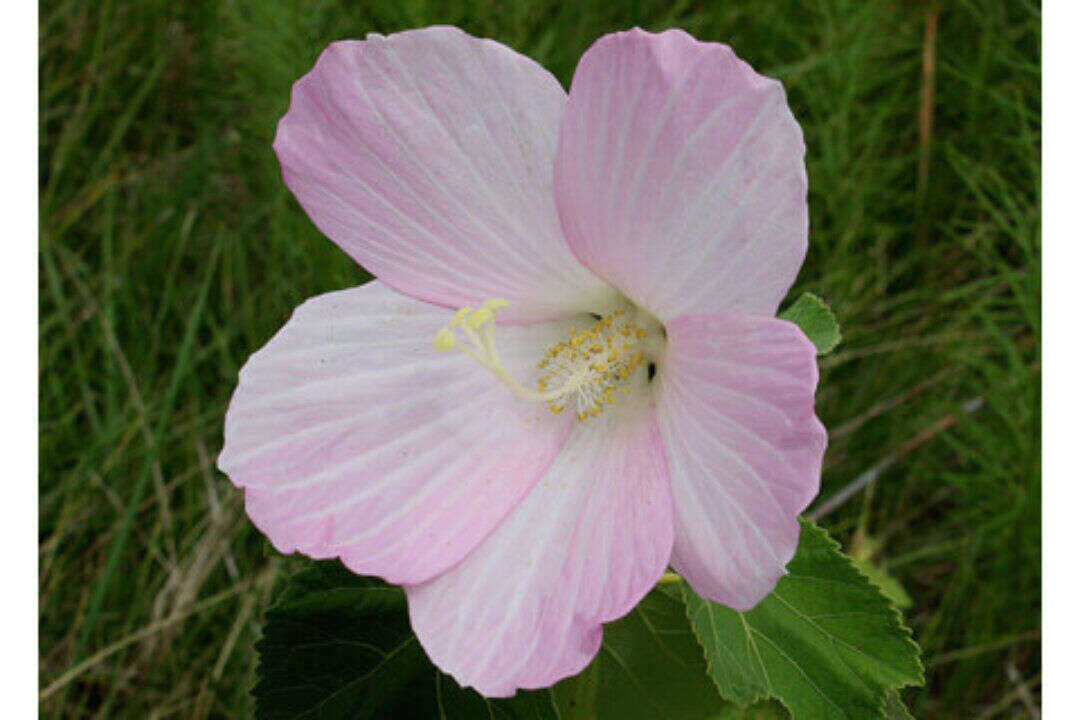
[170,250]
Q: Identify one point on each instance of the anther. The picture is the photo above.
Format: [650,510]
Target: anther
[444,340]
[460,315]
[586,370]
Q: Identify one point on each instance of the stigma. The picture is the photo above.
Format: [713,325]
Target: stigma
[585,373]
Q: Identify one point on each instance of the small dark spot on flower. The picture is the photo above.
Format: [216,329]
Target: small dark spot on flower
[595,316]
[652,371]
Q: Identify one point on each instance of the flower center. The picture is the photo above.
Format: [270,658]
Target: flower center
[585,372]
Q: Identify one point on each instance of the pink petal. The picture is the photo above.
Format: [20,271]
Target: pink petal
[680,176]
[354,438]
[525,608]
[427,156]
[744,449]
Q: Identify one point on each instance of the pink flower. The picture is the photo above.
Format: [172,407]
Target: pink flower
[635,239]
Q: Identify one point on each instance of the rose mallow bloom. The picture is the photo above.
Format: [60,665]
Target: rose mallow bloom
[568,375]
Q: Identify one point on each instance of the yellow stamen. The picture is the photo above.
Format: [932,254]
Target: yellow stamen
[587,369]
[444,340]
[479,317]
[460,315]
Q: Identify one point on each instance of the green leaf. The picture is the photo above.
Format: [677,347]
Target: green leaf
[337,645]
[457,703]
[649,666]
[894,708]
[768,710]
[826,642]
[816,321]
[889,585]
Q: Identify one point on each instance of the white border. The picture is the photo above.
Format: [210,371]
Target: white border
[1061,356]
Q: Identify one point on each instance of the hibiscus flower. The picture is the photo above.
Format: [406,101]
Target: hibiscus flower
[608,392]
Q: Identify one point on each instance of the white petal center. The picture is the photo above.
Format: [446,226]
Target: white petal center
[586,372]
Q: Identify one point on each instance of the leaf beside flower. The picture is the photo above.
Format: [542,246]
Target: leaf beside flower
[827,643]
[816,320]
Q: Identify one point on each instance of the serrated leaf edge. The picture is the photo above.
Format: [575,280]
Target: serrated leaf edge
[758,696]
[895,614]
[828,310]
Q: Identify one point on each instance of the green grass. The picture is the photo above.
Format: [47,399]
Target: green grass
[170,250]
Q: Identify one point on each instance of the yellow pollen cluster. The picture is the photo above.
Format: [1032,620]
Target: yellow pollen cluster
[587,370]
[592,365]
